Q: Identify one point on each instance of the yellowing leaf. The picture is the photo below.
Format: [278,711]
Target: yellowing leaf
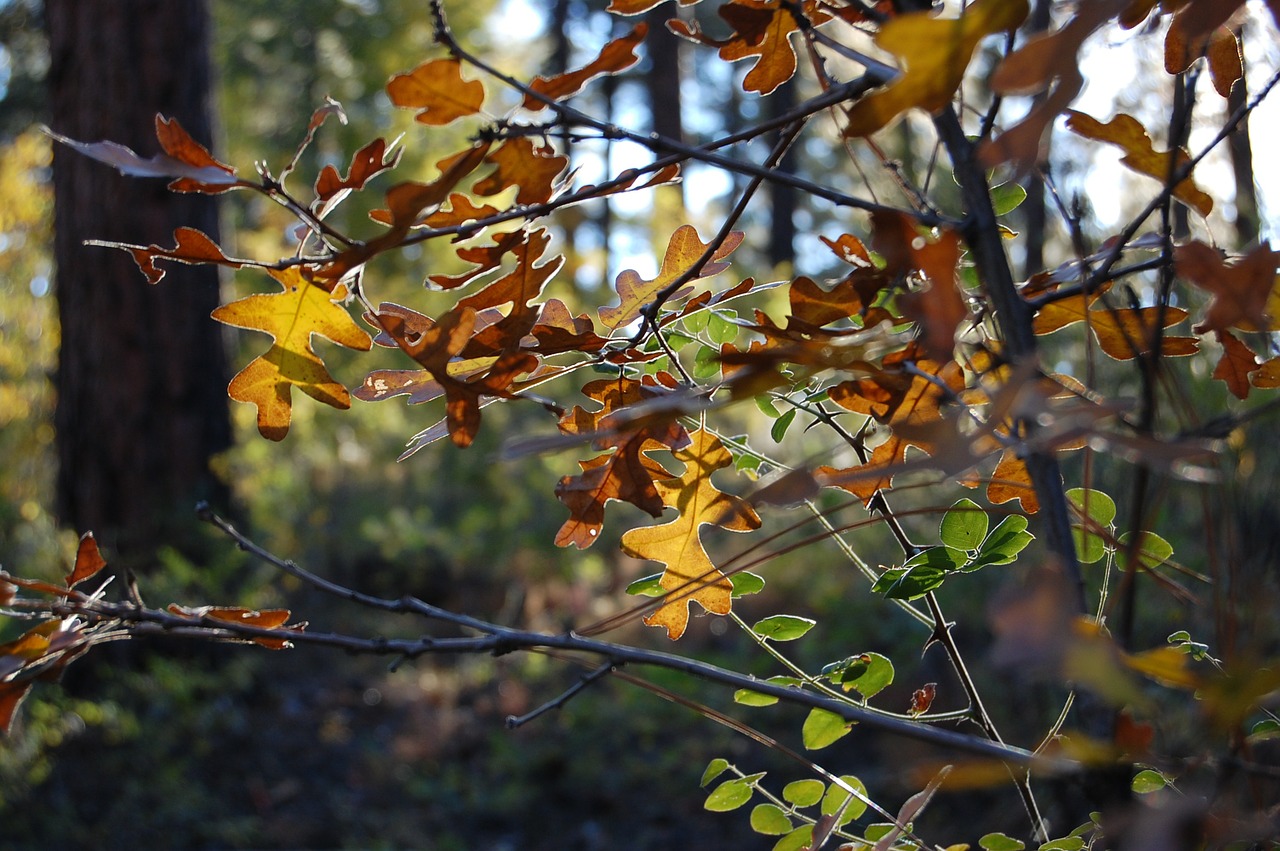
[290,317]
[682,253]
[438,90]
[1126,133]
[934,54]
[690,574]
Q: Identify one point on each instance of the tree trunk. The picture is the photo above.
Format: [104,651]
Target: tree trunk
[1241,150]
[142,371]
[783,198]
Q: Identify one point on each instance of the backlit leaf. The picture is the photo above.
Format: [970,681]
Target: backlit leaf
[519,163]
[770,820]
[436,88]
[290,317]
[823,728]
[803,793]
[714,769]
[868,673]
[745,583]
[1000,842]
[616,56]
[1241,290]
[838,797]
[190,246]
[682,253]
[187,161]
[933,54]
[1002,546]
[783,627]
[690,575]
[1235,365]
[729,795]
[89,560]
[964,526]
[1147,781]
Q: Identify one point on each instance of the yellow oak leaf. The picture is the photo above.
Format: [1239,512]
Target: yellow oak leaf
[690,575]
[682,252]
[1140,155]
[933,54]
[291,317]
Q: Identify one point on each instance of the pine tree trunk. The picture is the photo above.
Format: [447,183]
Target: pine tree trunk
[142,371]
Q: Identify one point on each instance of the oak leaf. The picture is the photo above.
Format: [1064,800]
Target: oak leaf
[190,246]
[1235,365]
[626,474]
[615,56]
[437,89]
[690,575]
[1242,291]
[762,29]
[638,7]
[189,163]
[291,317]
[366,163]
[933,53]
[532,170]
[89,561]
[683,251]
[1125,132]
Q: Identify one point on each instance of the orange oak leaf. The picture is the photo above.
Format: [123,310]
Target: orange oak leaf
[406,201]
[435,349]
[907,392]
[626,474]
[532,170]
[637,7]
[1267,375]
[190,246]
[276,619]
[186,161]
[939,309]
[1012,480]
[1235,365]
[616,56]
[88,562]
[368,162]
[934,53]
[1140,155]
[1221,48]
[1242,291]
[517,288]
[461,210]
[558,331]
[291,317]
[690,574]
[437,89]
[1125,333]
[486,257]
[683,251]
[762,29]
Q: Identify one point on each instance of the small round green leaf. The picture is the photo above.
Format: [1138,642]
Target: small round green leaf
[720,327]
[803,793]
[822,728]
[1000,842]
[836,797]
[770,820]
[908,583]
[869,673]
[1147,780]
[1006,198]
[715,768]
[965,526]
[1101,511]
[649,586]
[1066,843]
[1151,552]
[729,795]
[696,322]
[779,428]
[796,839]
[745,583]
[1268,728]
[783,627]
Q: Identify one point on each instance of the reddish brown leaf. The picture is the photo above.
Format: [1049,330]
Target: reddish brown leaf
[520,164]
[1235,365]
[616,56]
[1011,480]
[849,249]
[190,246]
[922,699]
[627,474]
[517,288]
[178,144]
[366,163]
[461,210]
[557,331]
[11,696]
[205,174]
[1126,333]
[1241,290]
[406,201]
[437,89]
[264,619]
[637,7]
[89,560]
[486,257]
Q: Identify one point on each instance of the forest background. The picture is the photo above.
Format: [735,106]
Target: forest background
[218,747]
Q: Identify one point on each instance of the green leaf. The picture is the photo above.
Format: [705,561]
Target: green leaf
[796,839]
[1002,546]
[747,697]
[1152,552]
[1267,728]
[1066,843]
[823,728]
[647,587]
[1147,780]
[779,428]
[1090,546]
[677,341]
[1000,842]
[1007,197]
[869,673]
[947,558]
[696,323]
[783,627]
[879,830]
[745,583]
[803,793]
[965,526]
[766,406]
[836,797]
[720,327]
[731,794]
[715,768]
[706,365]
[770,820]
[903,583]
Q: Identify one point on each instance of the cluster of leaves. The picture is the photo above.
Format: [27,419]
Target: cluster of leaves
[922,341]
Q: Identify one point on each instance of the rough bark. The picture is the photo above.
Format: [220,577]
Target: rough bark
[142,371]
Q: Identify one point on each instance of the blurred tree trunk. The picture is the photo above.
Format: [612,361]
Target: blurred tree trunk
[1242,163]
[783,198]
[142,371]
